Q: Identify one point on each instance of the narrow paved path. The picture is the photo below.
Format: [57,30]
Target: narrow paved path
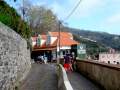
[41,77]
[79,82]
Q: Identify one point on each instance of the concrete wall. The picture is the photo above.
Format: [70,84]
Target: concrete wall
[108,76]
[14,58]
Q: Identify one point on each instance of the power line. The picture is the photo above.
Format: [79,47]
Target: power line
[73,10]
[63,21]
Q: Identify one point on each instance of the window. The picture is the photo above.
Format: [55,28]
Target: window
[63,52]
[114,61]
[118,63]
[108,62]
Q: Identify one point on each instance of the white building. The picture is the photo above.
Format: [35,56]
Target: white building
[111,58]
[50,43]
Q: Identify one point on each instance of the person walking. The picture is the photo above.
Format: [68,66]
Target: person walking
[73,61]
[42,58]
[67,63]
[45,59]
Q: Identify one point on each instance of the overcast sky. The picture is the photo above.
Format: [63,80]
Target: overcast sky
[96,15]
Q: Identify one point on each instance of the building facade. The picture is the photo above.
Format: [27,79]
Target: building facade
[51,45]
[111,58]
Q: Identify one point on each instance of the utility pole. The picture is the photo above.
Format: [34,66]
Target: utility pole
[23,11]
[59,24]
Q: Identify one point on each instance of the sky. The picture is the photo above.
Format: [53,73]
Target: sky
[95,15]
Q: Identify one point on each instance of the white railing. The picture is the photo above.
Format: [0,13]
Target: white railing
[63,82]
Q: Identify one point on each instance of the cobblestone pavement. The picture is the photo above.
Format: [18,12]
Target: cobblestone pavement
[41,77]
[79,82]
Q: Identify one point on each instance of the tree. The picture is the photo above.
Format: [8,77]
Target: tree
[41,19]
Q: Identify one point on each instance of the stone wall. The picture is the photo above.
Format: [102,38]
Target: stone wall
[106,75]
[14,58]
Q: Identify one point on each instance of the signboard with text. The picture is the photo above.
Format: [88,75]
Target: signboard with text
[81,51]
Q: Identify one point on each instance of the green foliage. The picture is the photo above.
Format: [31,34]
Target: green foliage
[93,48]
[9,17]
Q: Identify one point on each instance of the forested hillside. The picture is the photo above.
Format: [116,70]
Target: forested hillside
[103,38]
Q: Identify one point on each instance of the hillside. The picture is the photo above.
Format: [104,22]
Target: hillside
[101,38]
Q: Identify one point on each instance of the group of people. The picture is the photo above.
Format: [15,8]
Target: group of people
[69,62]
[42,59]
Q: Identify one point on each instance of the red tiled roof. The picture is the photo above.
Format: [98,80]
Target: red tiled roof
[55,43]
[44,36]
[62,34]
[67,42]
[44,45]
[65,38]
